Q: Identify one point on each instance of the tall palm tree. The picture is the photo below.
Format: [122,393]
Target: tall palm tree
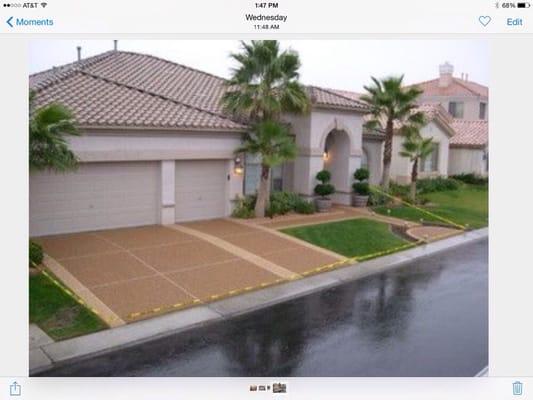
[271,140]
[264,85]
[48,128]
[390,104]
[415,148]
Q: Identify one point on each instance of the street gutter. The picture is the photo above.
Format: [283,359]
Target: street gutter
[74,350]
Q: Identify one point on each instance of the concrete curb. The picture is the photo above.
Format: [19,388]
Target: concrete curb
[55,354]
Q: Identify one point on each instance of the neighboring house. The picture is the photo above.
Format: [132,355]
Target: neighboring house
[469,151]
[156,147]
[438,128]
[457,110]
[462,98]
[468,104]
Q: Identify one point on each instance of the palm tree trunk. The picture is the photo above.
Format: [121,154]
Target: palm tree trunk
[414,177]
[263,192]
[387,155]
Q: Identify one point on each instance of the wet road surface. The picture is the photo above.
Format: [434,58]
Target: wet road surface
[429,318]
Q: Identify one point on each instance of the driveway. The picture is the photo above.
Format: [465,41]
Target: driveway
[133,273]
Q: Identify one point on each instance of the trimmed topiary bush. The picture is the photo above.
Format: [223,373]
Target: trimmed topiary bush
[361,174]
[324,188]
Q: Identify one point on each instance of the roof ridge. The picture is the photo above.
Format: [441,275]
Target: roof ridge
[65,71]
[332,92]
[163,97]
[174,63]
[461,82]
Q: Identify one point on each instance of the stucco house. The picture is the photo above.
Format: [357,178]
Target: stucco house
[156,147]
[457,113]
[468,104]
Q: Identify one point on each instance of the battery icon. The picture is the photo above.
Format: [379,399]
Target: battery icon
[523,5]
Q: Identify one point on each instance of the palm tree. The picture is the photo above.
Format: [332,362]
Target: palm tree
[390,104]
[415,148]
[48,148]
[271,140]
[264,85]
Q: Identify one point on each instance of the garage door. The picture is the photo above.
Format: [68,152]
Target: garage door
[201,189]
[96,196]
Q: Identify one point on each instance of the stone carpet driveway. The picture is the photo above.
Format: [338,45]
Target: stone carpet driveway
[133,273]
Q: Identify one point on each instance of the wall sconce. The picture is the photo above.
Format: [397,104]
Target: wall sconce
[325,156]
[238,168]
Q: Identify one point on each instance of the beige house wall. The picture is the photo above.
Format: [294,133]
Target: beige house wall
[465,160]
[401,166]
[374,152]
[310,132]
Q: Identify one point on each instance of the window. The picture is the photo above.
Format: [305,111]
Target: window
[252,170]
[456,109]
[277,178]
[482,110]
[431,163]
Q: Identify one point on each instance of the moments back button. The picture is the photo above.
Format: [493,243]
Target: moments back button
[25,22]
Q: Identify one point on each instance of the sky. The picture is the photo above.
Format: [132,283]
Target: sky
[336,64]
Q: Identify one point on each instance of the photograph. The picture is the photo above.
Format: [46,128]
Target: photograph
[258,208]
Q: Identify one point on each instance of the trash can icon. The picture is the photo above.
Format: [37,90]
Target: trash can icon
[517,388]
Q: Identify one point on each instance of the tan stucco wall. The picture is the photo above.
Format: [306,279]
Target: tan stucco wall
[311,131]
[401,166]
[467,161]
[374,151]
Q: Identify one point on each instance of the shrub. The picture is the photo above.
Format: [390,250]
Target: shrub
[438,184]
[323,176]
[471,179]
[244,208]
[36,254]
[361,174]
[304,207]
[324,188]
[361,188]
[378,199]
[283,202]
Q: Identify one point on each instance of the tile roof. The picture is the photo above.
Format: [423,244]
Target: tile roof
[470,133]
[457,87]
[335,98]
[125,89]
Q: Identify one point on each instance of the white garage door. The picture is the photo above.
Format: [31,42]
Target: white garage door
[95,196]
[201,189]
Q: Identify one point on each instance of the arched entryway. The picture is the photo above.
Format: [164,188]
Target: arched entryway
[337,159]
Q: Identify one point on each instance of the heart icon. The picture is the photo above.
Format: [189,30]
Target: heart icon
[484,20]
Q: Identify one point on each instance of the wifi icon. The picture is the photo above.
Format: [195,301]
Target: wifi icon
[43,5]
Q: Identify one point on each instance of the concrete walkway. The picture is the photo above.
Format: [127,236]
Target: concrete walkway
[45,355]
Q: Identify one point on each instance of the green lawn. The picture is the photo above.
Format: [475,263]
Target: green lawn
[58,314]
[468,205]
[351,238]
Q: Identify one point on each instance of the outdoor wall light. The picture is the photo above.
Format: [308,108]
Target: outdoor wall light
[325,156]
[238,168]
